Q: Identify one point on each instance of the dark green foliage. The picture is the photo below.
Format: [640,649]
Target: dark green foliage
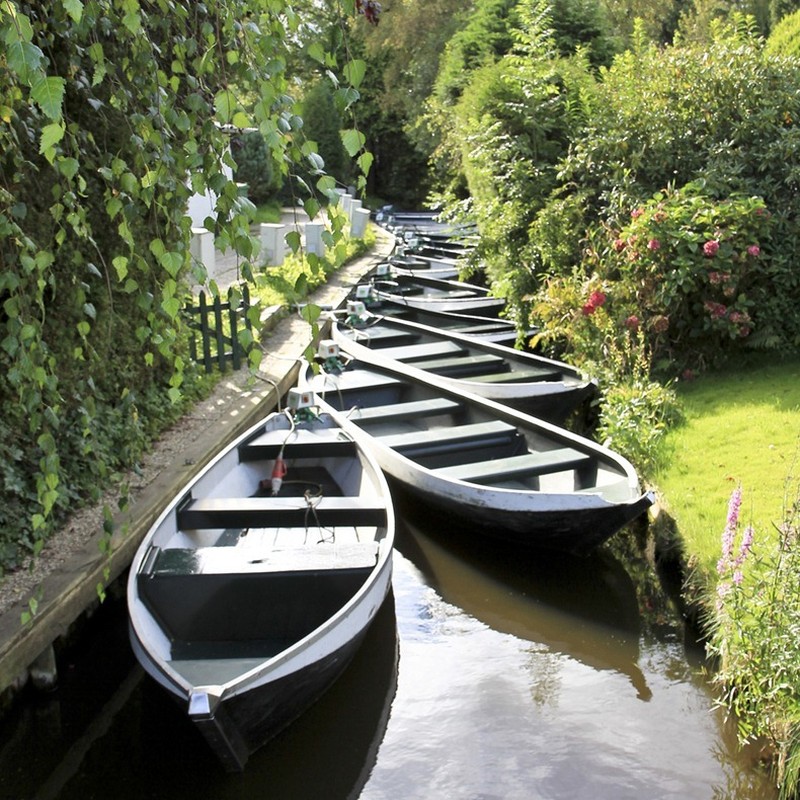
[322,123]
[254,167]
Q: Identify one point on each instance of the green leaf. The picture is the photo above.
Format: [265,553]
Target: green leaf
[171,307]
[354,72]
[316,51]
[311,207]
[24,58]
[353,141]
[310,313]
[225,105]
[293,240]
[49,94]
[121,266]
[74,8]
[241,120]
[172,262]
[68,167]
[21,30]
[365,162]
[52,134]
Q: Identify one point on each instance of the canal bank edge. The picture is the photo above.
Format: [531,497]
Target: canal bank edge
[70,590]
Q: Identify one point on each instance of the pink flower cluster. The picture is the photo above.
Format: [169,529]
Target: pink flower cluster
[711,248]
[596,299]
[729,563]
[370,9]
[716,310]
[632,323]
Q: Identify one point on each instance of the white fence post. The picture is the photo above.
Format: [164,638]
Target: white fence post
[273,243]
[201,248]
[313,235]
[359,225]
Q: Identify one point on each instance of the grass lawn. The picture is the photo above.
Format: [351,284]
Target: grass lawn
[742,428]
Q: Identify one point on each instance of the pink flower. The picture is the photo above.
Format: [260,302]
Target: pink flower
[716,310]
[597,299]
[637,212]
[653,244]
[715,277]
[753,250]
[744,331]
[710,248]
[619,245]
[632,323]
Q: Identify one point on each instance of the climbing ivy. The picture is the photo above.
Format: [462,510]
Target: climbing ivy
[114,112]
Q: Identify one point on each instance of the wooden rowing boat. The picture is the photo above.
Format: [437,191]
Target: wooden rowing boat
[479,464]
[523,380]
[255,586]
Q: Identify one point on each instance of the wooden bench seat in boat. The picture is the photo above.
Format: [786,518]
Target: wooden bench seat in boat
[384,337]
[239,561]
[527,464]
[223,604]
[302,443]
[527,375]
[415,352]
[285,512]
[433,407]
[462,366]
[419,444]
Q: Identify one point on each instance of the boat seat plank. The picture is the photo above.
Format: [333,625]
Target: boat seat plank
[241,561]
[287,512]
[417,408]
[526,375]
[448,438]
[353,379]
[464,365]
[321,443]
[565,458]
[425,350]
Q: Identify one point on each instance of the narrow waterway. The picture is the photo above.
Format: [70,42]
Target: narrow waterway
[488,674]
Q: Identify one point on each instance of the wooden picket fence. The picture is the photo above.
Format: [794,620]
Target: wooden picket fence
[215,324]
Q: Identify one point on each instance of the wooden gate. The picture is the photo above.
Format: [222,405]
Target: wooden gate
[216,324]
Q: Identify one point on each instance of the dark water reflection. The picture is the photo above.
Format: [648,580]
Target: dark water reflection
[518,677]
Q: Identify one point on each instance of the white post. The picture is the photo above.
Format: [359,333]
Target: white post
[355,204]
[273,243]
[313,234]
[201,248]
[360,220]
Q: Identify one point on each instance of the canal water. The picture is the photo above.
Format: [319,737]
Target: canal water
[489,675]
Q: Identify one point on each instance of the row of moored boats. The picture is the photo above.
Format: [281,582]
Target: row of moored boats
[258,582]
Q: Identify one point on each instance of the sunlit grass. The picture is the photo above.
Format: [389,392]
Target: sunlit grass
[742,428]
[295,278]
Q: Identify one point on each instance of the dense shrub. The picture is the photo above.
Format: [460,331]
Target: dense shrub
[712,135]
[684,268]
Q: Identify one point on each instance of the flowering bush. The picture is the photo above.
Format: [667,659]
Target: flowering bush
[584,323]
[683,263]
[756,620]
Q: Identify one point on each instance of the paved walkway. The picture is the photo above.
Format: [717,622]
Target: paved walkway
[69,590]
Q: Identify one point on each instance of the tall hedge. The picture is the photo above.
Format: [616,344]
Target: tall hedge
[113,113]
